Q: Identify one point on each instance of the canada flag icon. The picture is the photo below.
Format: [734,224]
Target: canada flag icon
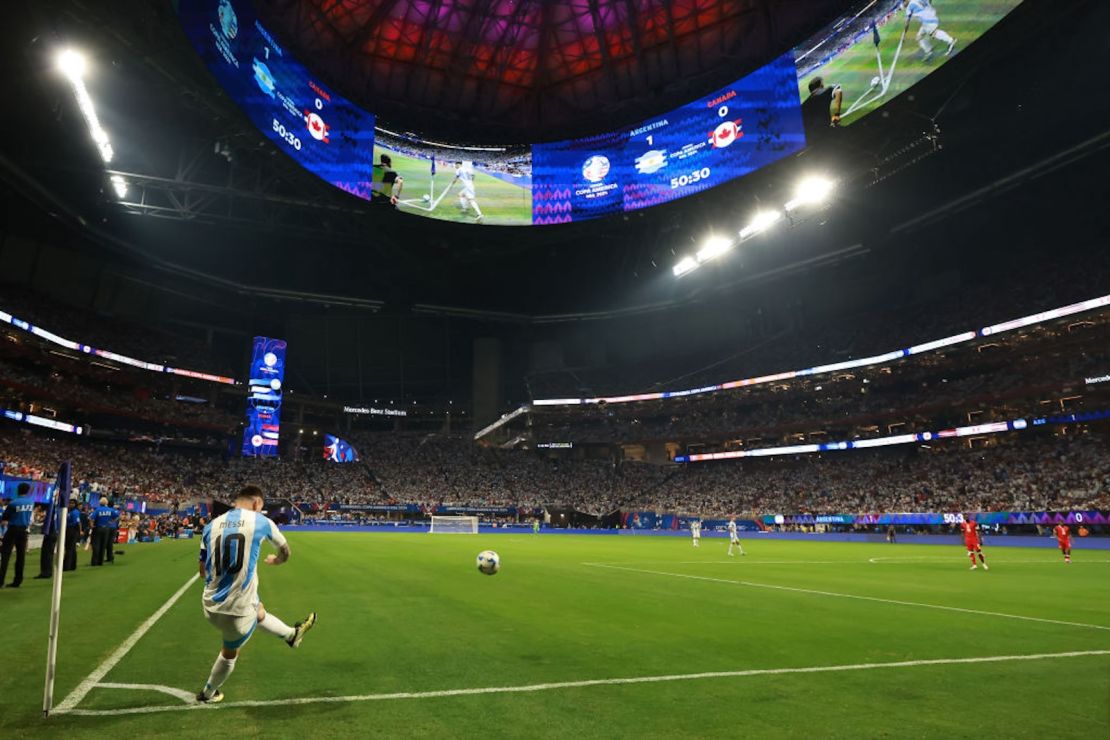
[726,133]
[316,126]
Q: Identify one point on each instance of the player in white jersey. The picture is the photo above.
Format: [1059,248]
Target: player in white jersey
[229,550]
[734,538]
[464,174]
[929,27]
[695,532]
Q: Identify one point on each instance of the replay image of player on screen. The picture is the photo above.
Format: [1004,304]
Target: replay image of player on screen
[884,47]
[468,184]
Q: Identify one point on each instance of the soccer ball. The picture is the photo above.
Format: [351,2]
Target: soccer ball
[426,198]
[489,562]
[875,81]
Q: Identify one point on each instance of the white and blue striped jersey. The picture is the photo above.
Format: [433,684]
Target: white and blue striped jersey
[922,10]
[229,551]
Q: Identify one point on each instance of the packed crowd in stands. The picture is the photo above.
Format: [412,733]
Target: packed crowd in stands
[933,391]
[111,333]
[822,339]
[1050,473]
[857,410]
[85,390]
[1042,472]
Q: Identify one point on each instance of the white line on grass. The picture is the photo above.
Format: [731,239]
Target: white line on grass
[182,694]
[531,688]
[746,562]
[795,589]
[994,559]
[110,662]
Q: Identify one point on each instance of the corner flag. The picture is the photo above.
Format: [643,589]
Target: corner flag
[433,166]
[875,34]
[58,504]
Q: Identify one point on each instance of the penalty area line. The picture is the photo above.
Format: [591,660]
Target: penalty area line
[70,702]
[533,688]
[837,594]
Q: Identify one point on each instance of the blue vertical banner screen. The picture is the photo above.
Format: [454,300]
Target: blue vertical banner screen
[267,373]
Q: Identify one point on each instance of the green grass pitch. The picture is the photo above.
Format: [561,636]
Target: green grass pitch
[410,613]
[854,69]
[502,204]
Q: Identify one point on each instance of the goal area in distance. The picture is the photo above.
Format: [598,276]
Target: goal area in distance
[454,525]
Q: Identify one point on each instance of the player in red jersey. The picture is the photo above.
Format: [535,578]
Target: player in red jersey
[1063,540]
[974,543]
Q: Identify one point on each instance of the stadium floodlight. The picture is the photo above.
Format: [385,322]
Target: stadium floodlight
[120,185]
[685,265]
[72,64]
[760,223]
[811,191]
[714,246]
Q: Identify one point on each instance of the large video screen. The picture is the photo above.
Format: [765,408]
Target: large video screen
[883,47]
[263,429]
[471,184]
[863,60]
[339,450]
[727,134]
[324,132]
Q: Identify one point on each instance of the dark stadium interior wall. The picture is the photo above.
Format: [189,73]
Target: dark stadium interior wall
[378,356]
[488,399]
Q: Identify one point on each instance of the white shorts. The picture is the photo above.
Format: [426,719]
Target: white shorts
[734,541]
[236,629]
[929,22]
[467,192]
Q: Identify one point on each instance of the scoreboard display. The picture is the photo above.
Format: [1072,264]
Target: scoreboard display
[727,134]
[324,132]
[720,137]
[869,54]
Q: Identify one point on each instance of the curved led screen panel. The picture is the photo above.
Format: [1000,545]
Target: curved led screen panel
[327,134]
[866,57]
[884,47]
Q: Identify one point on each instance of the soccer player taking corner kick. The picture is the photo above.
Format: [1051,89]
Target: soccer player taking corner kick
[929,27]
[229,551]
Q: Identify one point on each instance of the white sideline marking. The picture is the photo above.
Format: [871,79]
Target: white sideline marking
[752,584]
[531,688]
[953,558]
[181,694]
[110,662]
[745,562]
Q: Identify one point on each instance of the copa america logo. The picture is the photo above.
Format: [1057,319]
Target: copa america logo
[596,168]
[229,22]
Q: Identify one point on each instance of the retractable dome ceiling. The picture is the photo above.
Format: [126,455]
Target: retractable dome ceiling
[534,70]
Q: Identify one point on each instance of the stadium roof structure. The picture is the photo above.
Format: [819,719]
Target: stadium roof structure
[213,203]
[533,70]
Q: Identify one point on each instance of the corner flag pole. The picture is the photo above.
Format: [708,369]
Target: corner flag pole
[61,497]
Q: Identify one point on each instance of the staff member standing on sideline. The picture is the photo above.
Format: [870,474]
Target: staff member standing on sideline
[51,524]
[113,536]
[102,519]
[18,516]
[86,527]
[74,531]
